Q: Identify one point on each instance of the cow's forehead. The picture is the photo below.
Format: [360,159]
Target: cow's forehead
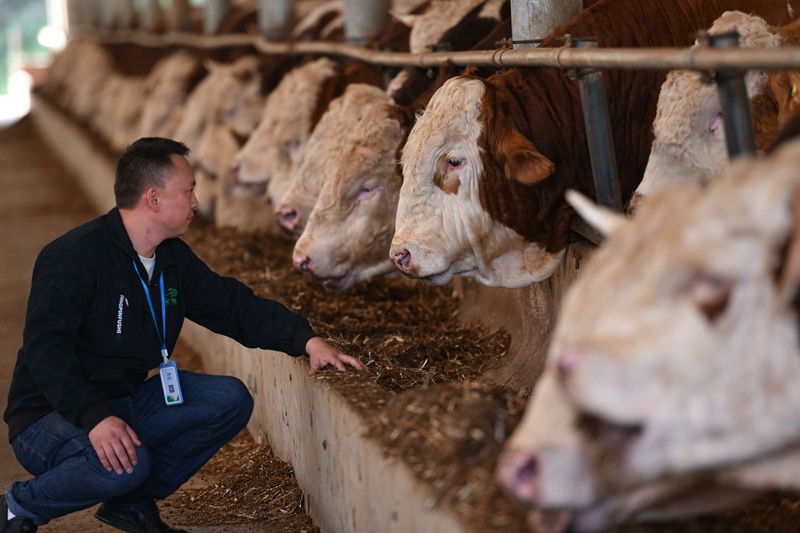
[451,116]
[734,228]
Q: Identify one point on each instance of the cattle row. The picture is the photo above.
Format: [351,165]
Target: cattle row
[670,381]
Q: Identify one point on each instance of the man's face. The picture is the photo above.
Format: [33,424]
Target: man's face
[177,199]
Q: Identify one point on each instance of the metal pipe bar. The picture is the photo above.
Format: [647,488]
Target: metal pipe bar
[785,58]
[535,19]
[598,134]
[737,119]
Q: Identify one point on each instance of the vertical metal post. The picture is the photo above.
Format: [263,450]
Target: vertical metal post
[123,17]
[107,9]
[737,118]
[536,19]
[364,19]
[214,14]
[180,17]
[74,14]
[275,18]
[598,134]
[151,15]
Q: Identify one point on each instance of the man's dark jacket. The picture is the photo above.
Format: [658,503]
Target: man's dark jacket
[89,334]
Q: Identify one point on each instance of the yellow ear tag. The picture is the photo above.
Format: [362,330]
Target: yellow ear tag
[794,90]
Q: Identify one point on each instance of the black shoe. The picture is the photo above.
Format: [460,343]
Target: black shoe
[147,521]
[16,524]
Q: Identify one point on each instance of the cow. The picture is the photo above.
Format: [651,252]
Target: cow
[486,165]
[294,210]
[292,110]
[689,134]
[344,242]
[325,146]
[367,176]
[77,75]
[229,96]
[675,358]
[167,88]
[437,26]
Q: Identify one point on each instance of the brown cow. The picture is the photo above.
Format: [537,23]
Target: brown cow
[486,166]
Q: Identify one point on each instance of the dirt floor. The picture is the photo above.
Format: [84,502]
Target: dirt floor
[422,395]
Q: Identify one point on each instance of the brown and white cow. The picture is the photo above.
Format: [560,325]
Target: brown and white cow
[676,356]
[486,166]
[689,134]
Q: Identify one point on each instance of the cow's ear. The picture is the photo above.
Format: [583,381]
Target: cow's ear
[785,88]
[523,162]
[600,218]
[790,268]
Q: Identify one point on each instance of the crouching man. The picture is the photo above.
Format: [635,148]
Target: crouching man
[107,303]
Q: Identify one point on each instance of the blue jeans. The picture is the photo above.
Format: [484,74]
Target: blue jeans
[176,441]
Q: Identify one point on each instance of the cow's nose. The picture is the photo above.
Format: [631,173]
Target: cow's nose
[268,199]
[303,263]
[518,474]
[236,167]
[288,217]
[567,363]
[402,258]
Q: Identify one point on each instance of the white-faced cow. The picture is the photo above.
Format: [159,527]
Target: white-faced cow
[689,140]
[324,149]
[674,365]
[275,149]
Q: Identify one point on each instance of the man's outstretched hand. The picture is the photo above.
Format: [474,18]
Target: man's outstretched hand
[322,354]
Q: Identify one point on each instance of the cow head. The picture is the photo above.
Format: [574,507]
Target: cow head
[689,142]
[674,361]
[324,149]
[350,227]
[451,219]
[276,148]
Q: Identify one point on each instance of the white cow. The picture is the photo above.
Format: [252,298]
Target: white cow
[676,356]
[276,147]
[349,230]
[689,140]
[167,86]
[323,152]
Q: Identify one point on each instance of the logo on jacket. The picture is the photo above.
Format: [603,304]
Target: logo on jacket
[119,313]
[171,297]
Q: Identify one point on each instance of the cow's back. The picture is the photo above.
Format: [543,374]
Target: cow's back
[550,99]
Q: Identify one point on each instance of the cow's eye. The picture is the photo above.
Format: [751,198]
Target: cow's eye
[366,192]
[710,294]
[715,126]
[454,162]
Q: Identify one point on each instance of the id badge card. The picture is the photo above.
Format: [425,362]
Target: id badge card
[170,383]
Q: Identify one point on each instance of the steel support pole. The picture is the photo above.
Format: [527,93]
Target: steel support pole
[737,117]
[151,15]
[598,134]
[180,16]
[275,18]
[536,19]
[107,9]
[123,14]
[365,19]
[214,14]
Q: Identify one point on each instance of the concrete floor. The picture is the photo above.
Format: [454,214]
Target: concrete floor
[39,202]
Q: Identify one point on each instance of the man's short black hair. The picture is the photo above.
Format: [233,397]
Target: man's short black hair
[145,163]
